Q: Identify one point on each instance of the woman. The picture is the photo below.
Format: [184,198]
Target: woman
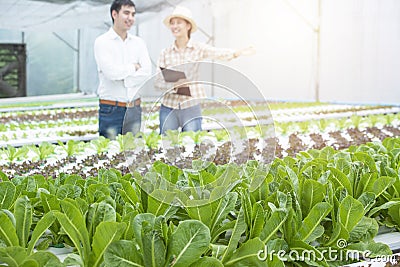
[180,104]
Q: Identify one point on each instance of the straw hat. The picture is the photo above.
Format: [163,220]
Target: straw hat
[184,13]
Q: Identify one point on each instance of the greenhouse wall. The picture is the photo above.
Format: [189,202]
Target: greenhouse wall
[358,57]
[50,61]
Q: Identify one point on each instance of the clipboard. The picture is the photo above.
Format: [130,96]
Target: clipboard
[174,76]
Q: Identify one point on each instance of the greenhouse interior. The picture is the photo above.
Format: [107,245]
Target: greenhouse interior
[252,133]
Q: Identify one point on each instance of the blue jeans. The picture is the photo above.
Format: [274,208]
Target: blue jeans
[114,120]
[189,119]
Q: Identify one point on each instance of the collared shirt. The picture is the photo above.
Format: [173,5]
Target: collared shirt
[116,59]
[171,57]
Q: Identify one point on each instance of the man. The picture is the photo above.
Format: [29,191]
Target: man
[123,64]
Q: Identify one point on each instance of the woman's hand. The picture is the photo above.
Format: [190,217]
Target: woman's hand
[247,51]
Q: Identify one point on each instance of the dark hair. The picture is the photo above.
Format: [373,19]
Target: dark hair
[117,4]
[191,27]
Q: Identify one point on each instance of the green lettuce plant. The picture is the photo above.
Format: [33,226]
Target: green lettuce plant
[71,147]
[73,223]
[43,150]
[13,153]
[15,232]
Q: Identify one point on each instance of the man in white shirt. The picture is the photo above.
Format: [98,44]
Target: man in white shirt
[123,64]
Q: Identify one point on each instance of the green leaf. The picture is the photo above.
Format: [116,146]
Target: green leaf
[273,224]
[312,193]
[96,192]
[97,213]
[150,237]
[201,210]
[304,249]
[207,262]
[71,147]
[218,250]
[307,232]
[314,168]
[44,150]
[247,206]
[123,253]
[7,230]
[189,241]
[73,259]
[100,144]
[74,179]
[293,178]
[332,200]
[108,176]
[367,199]
[225,205]
[259,186]
[154,248]
[13,256]
[131,195]
[68,191]
[238,230]
[143,220]
[106,232]
[42,225]
[291,225]
[224,227]
[269,254]
[4,177]
[275,245]
[247,254]
[46,259]
[384,206]
[382,184]
[13,153]
[339,232]
[339,179]
[168,172]
[375,249]
[365,159]
[49,202]
[23,219]
[366,184]
[365,230]
[74,225]
[350,212]
[342,162]
[394,213]
[159,201]
[29,263]
[257,220]
[44,244]
[274,262]
[7,192]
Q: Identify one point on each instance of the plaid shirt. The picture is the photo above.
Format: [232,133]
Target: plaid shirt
[172,58]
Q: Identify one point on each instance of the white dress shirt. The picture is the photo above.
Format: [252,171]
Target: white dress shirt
[116,59]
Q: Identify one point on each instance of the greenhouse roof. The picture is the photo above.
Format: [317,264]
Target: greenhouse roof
[51,15]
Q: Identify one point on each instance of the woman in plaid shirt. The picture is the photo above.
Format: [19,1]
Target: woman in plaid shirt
[181,102]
